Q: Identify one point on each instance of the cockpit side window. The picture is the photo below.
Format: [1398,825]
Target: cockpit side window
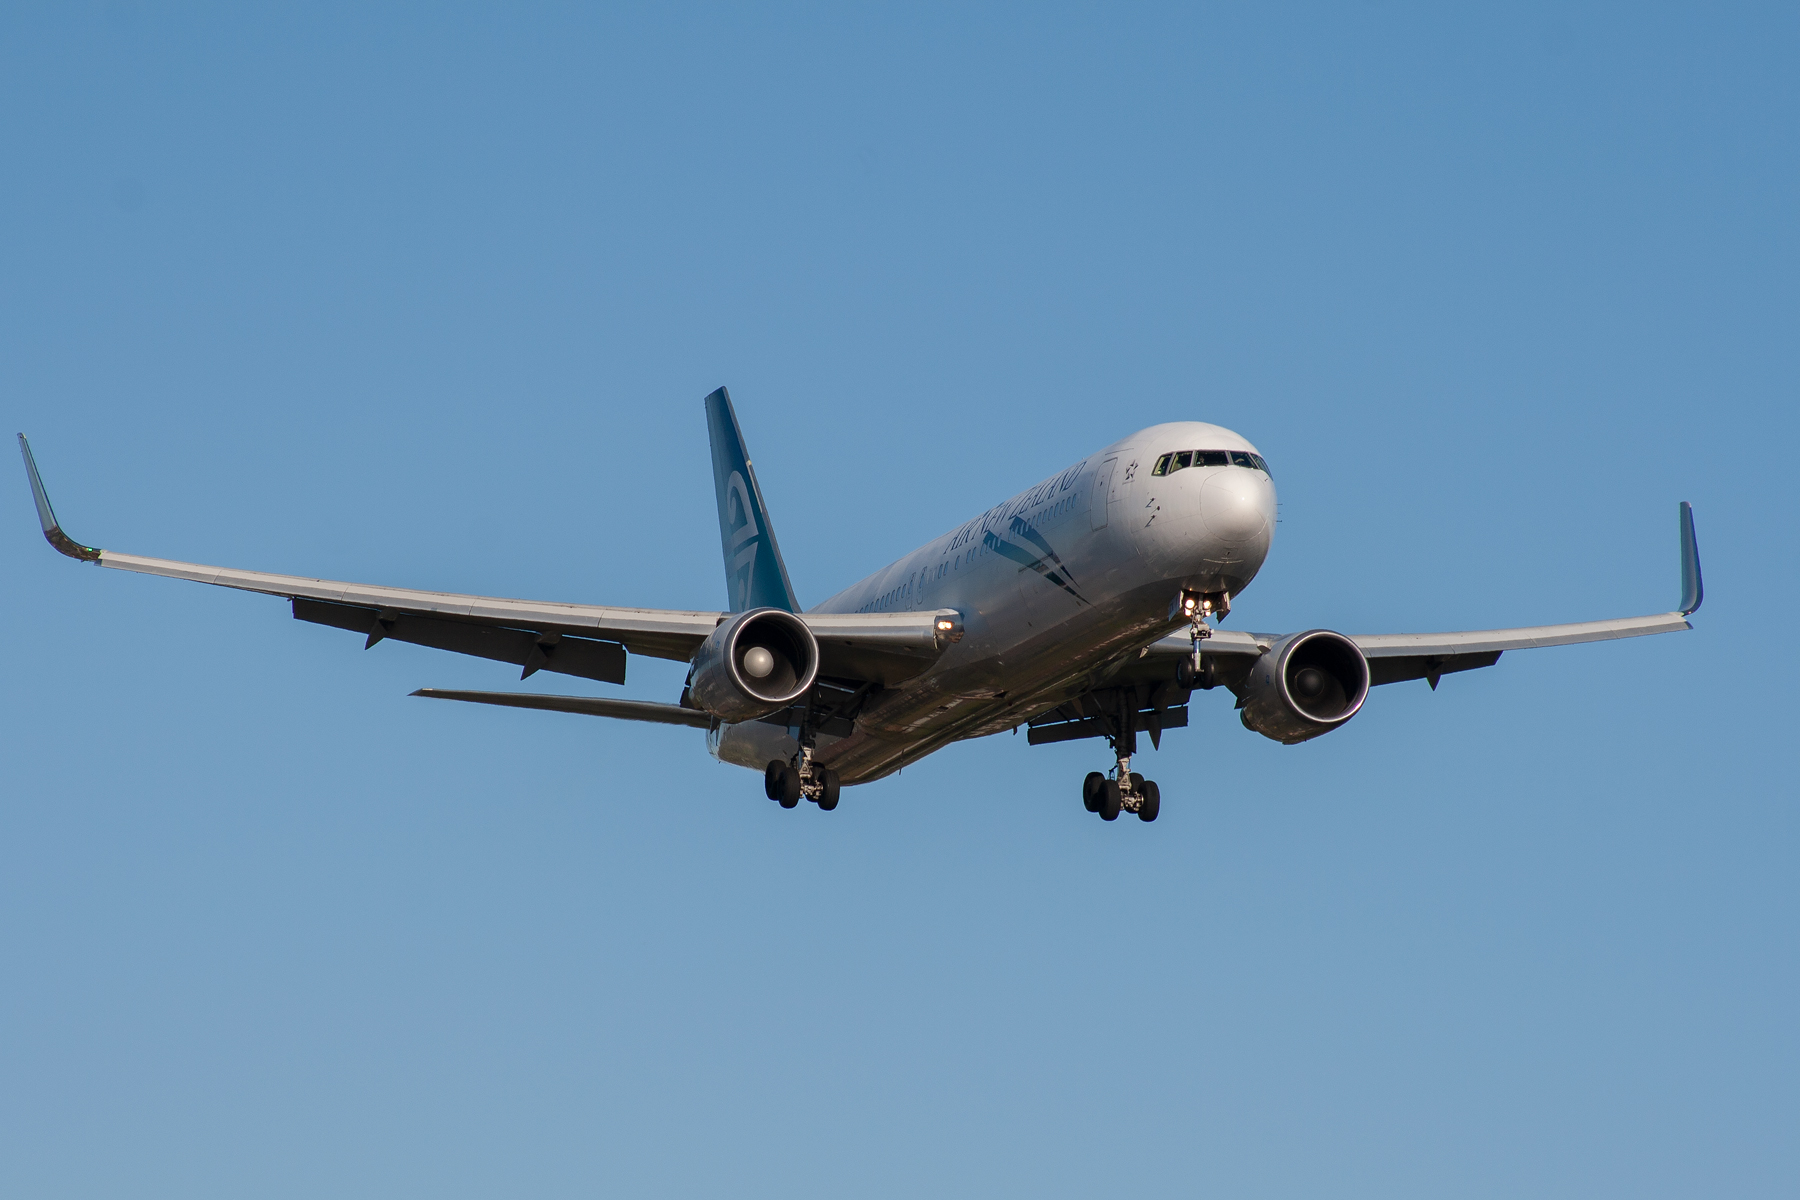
[1162,465]
[1262,465]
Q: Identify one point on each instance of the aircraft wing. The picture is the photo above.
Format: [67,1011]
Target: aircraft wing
[1394,657]
[587,640]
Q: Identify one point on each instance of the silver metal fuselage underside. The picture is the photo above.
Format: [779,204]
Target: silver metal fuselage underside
[1114,546]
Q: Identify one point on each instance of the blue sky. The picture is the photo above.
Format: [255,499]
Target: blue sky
[430,296]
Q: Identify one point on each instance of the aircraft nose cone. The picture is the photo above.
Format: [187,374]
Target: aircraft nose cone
[1237,506]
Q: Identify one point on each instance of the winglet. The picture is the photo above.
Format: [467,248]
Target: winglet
[53,533]
[1692,590]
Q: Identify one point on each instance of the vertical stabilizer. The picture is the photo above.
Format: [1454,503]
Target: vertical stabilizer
[755,576]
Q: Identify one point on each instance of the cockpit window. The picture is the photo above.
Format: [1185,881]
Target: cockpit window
[1168,464]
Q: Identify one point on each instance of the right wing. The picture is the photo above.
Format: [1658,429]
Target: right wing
[1398,656]
[587,640]
[1145,690]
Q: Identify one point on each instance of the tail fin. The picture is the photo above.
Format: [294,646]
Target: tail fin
[755,576]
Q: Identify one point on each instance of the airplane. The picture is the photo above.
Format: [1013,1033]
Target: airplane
[1084,607]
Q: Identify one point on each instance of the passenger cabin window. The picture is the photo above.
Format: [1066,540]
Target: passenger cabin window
[1168,464]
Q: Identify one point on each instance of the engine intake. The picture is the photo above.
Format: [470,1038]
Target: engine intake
[755,663]
[1304,685]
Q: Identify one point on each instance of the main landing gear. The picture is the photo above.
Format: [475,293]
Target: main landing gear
[1122,791]
[787,783]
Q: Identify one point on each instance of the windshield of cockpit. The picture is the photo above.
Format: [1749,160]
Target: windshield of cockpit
[1168,464]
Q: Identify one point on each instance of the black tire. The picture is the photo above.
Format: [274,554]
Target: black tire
[1137,783]
[789,794]
[1185,675]
[1152,801]
[1090,790]
[1110,801]
[772,778]
[828,789]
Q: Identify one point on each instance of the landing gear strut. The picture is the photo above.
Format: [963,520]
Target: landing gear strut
[1123,790]
[800,777]
[1196,607]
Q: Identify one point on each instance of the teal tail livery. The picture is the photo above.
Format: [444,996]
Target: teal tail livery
[755,576]
[1085,608]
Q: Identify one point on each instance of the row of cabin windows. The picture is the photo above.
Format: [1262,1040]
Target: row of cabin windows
[1168,464]
[888,598]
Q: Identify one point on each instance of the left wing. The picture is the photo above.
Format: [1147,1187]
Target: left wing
[588,640]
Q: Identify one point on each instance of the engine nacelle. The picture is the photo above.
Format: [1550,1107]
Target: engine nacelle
[753,664]
[1304,685]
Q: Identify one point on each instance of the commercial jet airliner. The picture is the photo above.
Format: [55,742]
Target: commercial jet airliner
[1084,607]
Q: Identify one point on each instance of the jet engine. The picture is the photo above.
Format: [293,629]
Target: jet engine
[1304,685]
[753,664]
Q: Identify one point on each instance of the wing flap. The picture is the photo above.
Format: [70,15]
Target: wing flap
[529,649]
[1399,669]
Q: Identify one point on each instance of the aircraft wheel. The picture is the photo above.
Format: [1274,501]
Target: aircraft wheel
[772,778]
[789,792]
[1137,784]
[1109,801]
[1152,803]
[828,789]
[1090,790]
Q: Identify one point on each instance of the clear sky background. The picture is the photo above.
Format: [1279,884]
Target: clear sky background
[430,296]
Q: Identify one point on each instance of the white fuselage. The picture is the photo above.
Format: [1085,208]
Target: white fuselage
[1055,586]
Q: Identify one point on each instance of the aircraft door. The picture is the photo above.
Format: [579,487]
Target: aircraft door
[1101,494]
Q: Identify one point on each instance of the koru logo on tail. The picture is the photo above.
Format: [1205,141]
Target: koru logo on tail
[742,548]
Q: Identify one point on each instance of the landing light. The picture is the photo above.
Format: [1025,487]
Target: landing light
[1197,606]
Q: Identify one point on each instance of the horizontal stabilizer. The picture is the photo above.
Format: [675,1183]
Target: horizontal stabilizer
[591,706]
